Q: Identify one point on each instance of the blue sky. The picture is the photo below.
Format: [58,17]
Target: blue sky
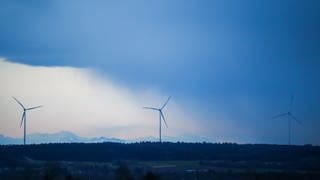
[239,59]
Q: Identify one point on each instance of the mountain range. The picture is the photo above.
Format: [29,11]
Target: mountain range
[69,137]
[59,137]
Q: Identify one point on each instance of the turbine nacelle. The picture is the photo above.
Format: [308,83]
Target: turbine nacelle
[23,107]
[288,114]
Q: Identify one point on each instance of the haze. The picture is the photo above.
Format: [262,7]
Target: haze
[228,65]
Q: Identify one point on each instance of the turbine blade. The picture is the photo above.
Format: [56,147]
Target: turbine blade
[291,102]
[279,115]
[164,120]
[164,105]
[293,117]
[23,116]
[34,107]
[151,108]
[18,102]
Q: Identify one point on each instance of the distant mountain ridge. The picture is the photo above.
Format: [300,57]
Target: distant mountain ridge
[9,140]
[59,137]
[69,137]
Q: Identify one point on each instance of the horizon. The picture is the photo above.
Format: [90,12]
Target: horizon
[148,139]
[38,135]
[228,66]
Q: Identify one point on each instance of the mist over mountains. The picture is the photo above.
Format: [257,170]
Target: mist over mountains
[59,137]
[69,137]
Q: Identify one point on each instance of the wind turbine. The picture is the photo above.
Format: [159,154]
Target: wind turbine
[24,117]
[161,116]
[290,117]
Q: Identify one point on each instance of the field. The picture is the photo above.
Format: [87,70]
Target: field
[159,161]
[140,170]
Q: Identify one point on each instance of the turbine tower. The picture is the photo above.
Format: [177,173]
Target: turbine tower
[290,117]
[161,116]
[24,118]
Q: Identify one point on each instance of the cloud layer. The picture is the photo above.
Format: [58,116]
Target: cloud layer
[79,100]
[84,102]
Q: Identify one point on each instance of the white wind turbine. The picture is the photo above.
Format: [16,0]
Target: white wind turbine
[161,116]
[24,118]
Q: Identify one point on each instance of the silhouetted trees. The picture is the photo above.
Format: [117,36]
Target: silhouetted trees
[123,173]
[151,176]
